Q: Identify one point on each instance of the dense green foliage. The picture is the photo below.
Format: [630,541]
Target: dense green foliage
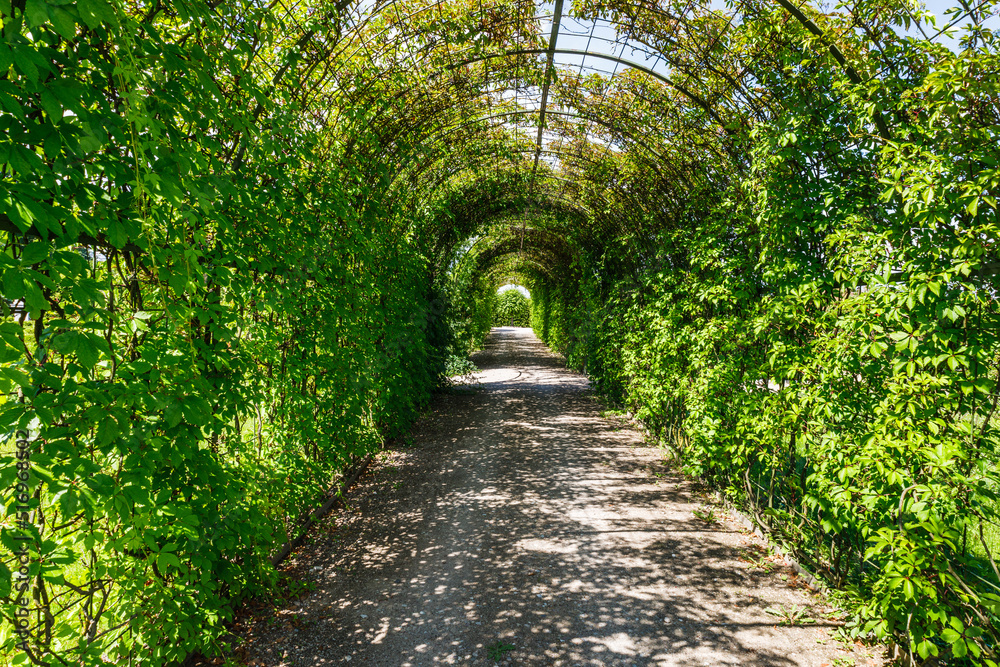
[204,323]
[824,349]
[513,309]
[242,242]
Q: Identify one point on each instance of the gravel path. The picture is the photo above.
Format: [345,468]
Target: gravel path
[519,515]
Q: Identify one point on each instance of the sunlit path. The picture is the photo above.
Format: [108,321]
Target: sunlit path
[522,516]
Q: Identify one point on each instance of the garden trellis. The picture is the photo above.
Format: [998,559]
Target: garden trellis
[242,239]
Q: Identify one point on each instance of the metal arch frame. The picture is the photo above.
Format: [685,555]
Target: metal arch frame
[547,253]
[785,4]
[707,107]
[499,217]
[416,62]
[700,55]
[575,204]
[577,116]
[484,258]
[388,103]
[557,154]
[616,219]
[596,119]
[538,51]
[368,19]
[697,100]
[569,209]
[474,166]
[660,159]
[636,7]
[449,174]
[506,207]
[684,91]
[621,61]
[538,216]
[612,128]
[548,247]
[663,160]
[546,82]
[542,269]
[484,267]
[515,276]
[628,63]
[551,265]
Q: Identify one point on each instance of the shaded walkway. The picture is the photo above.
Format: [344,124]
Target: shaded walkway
[521,515]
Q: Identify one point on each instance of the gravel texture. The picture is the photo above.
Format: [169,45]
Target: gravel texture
[519,515]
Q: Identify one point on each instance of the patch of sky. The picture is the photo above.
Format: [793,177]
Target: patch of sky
[509,286]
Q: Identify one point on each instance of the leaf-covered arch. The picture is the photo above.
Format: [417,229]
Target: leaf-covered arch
[241,239]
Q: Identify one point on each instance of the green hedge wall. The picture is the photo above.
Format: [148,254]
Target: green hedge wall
[513,309]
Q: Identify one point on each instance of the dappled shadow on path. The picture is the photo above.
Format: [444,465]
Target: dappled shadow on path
[524,517]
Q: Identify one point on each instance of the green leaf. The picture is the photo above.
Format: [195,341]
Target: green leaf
[15,376]
[10,334]
[950,635]
[173,413]
[25,64]
[107,431]
[20,216]
[6,58]
[95,12]
[6,580]
[178,282]
[52,107]
[166,560]
[87,350]
[13,284]
[117,234]
[64,23]
[33,298]
[37,12]
[52,145]
[34,252]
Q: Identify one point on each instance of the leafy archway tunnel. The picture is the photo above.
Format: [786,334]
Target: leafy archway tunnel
[242,240]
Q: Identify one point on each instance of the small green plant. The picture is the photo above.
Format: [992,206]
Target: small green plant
[456,365]
[756,559]
[498,650]
[791,615]
[293,588]
[706,514]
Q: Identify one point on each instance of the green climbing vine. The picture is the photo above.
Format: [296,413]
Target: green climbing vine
[204,322]
[821,342]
